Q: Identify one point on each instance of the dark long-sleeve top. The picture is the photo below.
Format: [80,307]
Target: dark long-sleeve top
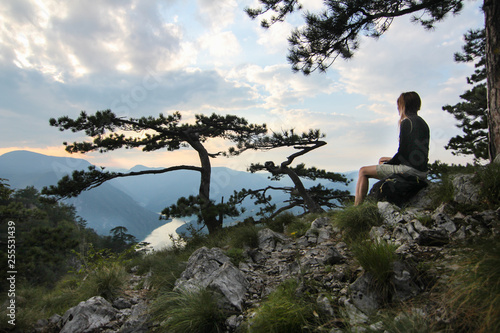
[413,148]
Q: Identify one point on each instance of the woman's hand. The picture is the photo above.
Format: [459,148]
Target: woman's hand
[382,160]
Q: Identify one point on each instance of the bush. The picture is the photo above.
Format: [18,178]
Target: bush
[356,221]
[186,311]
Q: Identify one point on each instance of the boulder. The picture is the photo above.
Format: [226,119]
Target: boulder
[465,190]
[212,269]
[272,241]
[138,321]
[88,316]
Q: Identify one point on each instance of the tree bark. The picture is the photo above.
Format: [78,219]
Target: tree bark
[310,203]
[208,212]
[492,26]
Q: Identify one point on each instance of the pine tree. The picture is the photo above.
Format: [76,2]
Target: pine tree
[472,113]
[312,199]
[336,31]
[151,134]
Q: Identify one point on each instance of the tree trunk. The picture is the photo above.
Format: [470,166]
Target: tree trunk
[208,212]
[492,25]
[309,202]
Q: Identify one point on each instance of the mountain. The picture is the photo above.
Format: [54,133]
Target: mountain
[134,202]
[155,192]
[104,207]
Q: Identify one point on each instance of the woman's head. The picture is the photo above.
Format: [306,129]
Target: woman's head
[408,104]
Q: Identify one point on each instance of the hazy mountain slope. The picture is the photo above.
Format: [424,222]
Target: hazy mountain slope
[103,208]
[134,202]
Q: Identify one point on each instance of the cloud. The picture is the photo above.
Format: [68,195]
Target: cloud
[216,15]
[279,87]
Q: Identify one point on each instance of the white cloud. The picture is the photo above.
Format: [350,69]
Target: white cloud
[221,45]
[280,87]
[275,38]
[217,15]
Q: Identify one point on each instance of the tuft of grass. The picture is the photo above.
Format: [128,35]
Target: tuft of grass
[298,228]
[187,311]
[165,267]
[244,235]
[405,322]
[106,281]
[376,258]
[236,255]
[357,221]
[474,295]
[282,312]
[279,223]
[489,180]
[37,302]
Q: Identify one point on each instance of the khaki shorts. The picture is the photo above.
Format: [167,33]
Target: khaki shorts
[385,170]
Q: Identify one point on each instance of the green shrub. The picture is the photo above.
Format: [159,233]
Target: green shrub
[474,295]
[186,311]
[282,312]
[356,221]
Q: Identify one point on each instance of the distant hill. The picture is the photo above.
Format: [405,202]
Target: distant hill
[133,202]
[103,208]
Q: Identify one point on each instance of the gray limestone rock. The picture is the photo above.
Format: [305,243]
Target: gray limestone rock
[212,269]
[88,316]
[272,241]
[465,190]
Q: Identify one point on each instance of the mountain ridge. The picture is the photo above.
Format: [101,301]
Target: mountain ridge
[132,202]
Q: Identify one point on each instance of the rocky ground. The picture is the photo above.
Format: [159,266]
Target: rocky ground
[320,256]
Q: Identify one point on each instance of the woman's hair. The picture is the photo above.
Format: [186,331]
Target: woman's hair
[408,104]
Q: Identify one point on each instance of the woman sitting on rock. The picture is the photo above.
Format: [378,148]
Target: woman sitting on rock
[413,151]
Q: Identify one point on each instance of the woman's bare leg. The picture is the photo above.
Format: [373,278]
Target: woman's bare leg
[362,185]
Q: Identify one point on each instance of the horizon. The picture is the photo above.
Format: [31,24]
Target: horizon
[203,57]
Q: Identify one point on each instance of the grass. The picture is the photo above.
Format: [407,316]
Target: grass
[357,221]
[243,235]
[377,258]
[474,294]
[106,281]
[165,267]
[404,322]
[489,181]
[280,222]
[34,303]
[189,311]
[283,312]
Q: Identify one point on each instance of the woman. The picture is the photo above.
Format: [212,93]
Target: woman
[413,151]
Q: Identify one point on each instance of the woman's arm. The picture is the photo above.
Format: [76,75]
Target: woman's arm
[382,160]
[404,143]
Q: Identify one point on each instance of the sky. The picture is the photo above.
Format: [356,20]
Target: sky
[145,57]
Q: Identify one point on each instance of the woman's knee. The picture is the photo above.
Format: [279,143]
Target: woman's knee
[368,171]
